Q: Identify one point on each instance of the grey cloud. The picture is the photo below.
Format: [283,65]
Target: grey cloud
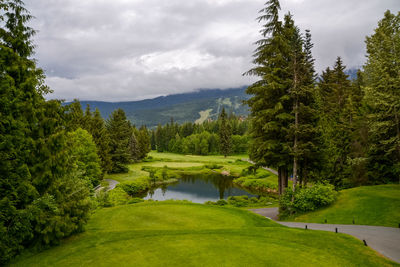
[135,49]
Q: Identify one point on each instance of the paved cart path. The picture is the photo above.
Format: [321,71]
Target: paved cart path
[385,240]
[111,184]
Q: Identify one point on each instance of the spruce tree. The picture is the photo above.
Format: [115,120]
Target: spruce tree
[225,135]
[335,90]
[270,105]
[120,132]
[382,80]
[35,175]
[134,146]
[143,139]
[102,140]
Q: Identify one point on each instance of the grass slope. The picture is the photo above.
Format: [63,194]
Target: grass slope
[176,234]
[368,205]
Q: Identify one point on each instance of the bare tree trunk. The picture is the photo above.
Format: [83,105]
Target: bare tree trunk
[280,186]
[296,123]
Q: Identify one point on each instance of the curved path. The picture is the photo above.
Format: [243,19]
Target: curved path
[265,168]
[111,184]
[385,240]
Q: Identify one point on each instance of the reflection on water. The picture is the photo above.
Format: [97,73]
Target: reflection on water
[198,189]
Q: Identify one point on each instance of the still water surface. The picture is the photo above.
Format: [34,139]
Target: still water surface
[198,189]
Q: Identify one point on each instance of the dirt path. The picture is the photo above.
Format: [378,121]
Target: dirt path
[385,240]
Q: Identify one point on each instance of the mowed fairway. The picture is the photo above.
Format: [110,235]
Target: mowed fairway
[184,234]
[367,205]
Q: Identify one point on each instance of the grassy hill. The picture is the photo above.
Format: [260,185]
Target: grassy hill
[184,234]
[187,107]
[368,205]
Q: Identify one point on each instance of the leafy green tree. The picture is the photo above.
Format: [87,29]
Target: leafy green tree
[225,134]
[382,80]
[120,132]
[84,152]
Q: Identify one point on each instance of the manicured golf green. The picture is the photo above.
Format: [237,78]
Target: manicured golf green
[184,234]
[367,205]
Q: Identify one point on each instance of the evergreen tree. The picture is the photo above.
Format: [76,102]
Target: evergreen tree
[225,135]
[35,163]
[335,90]
[120,132]
[134,147]
[382,80]
[304,129]
[270,105]
[143,139]
[74,116]
[153,140]
[102,140]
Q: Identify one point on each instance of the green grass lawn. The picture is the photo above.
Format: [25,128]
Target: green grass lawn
[368,205]
[184,234]
[180,161]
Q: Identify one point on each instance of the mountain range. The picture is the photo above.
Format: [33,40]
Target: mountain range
[187,107]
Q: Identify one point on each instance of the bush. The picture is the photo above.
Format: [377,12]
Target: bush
[242,201]
[221,202]
[307,199]
[213,166]
[135,187]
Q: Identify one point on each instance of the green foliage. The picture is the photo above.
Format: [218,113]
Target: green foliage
[366,205]
[225,134]
[306,199]
[135,187]
[242,201]
[200,139]
[102,140]
[119,130]
[84,152]
[382,82]
[42,198]
[213,166]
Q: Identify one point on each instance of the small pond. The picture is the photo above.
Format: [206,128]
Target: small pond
[198,189]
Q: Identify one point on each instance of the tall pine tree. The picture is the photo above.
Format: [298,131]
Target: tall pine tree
[225,134]
[382,80]
[271,106]
[120,132]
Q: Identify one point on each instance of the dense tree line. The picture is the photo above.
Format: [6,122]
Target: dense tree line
[224,136]
[328,128]
[45,176]
[51,155]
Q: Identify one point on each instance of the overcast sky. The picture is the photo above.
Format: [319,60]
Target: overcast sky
[115,50]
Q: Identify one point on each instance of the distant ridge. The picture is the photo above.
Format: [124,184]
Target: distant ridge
[185,107]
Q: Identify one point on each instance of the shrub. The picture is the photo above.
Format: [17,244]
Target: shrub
[221,202]
[213,166]
[118,196]
[307,199]
[135,187]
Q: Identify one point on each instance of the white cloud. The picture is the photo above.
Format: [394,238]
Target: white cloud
[134,49]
